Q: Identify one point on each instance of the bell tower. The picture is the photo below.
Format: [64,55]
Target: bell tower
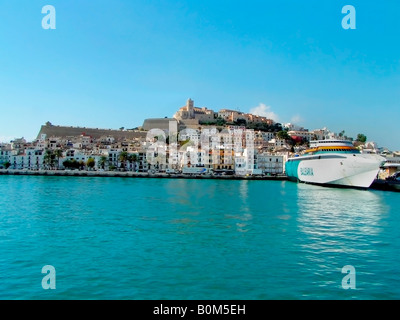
[190,108]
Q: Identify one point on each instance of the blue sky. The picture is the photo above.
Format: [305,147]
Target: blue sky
[111,64]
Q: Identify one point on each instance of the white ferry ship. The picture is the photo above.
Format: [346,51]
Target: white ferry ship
[334,163]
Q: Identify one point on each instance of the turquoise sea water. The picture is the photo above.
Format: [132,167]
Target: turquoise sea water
[115,238]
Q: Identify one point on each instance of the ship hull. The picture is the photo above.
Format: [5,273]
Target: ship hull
[338,170]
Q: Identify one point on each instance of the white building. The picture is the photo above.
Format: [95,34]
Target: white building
[369,147]
[113,157]
[291,126]
[245,162]
[267,136]
[324,134]
[278,144]
[269,163]
[5,153]
[191,135]
[31,159]
[306,135]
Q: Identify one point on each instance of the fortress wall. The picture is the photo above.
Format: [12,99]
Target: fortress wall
[60,131]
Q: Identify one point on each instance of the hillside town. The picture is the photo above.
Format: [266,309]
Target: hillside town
[194,141]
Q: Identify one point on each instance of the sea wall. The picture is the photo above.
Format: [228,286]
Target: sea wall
[62,131]
[129,174]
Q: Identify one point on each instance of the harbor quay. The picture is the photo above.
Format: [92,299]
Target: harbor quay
[130,174]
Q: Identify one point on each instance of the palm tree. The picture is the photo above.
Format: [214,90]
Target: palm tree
[58,153]
[129,159]
[48,158]
[123,157]
[102,161]
[82,165]
[133,158]
[90,163]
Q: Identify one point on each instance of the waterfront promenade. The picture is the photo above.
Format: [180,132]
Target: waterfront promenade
[130,174]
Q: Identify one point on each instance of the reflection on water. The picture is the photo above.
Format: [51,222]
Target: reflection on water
[244,190]
[339,227]
[245,216]
[197,201]
[335,218]
[343,211]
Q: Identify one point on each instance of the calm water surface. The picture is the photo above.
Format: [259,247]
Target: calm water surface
[115,238]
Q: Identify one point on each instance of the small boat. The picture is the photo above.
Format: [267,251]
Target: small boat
[391,183]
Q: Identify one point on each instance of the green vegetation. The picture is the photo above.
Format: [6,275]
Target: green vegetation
[283,135]
[132,159]
[183,142]
[58,155]
[49,158]
[90,163]
[71,164]
[241,122]
[220,122]
[103,161]
[123,157]
[361,138]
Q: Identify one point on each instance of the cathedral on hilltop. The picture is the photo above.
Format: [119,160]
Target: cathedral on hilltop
[191,115]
